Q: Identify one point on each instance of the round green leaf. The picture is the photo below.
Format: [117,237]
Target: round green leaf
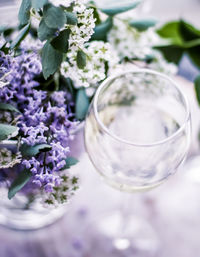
[70,161]
[20,181]
[60,42]
[22,34]
[7,131]
[29,151]
[54,17]
[101,30]
[24,12]
[71,18]
[120,8]
[142,25]
[51,60]
[81,59]
[38,4]
[82,104]
[44,32]
[8,107]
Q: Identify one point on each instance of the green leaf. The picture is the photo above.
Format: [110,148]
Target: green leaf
[197,88]
[29,151]
[101,30]
[38,4]
[188,32]
[51,60]
[70,162]
[24,12]
[44,32]
[8,107]
[60,42]
[172,53]
[22,34]
[81,59]
[194,54]
[82,104]
[20,181]
[142,25]
[54,17]
[111,11]
[171,31]
[71,18]
[7,131]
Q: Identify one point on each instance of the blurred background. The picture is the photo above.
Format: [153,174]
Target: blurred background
[164,10]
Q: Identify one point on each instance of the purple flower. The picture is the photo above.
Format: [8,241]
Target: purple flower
[46,117]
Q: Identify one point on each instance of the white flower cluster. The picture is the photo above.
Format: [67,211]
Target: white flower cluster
[81,33]
[63,192]
[9,159]
[98,53]
[129,42]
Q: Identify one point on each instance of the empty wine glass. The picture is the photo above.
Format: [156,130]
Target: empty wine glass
[137,133]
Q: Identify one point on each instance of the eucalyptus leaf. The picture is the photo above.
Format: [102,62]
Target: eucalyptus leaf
[44,32]
[51,60]
[197,88]
[20,181]
[29,151]
[70,161]
[111,11]
[143,24]
[8,131]
[60,42]
[24,12]
[71,18]
[22,34]
[38,4]
[82,104]
[54,17]
[8,107]
[101,30]
[81,59]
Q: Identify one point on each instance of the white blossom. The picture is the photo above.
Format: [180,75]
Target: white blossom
[81,33]
[97,53]
[129,42]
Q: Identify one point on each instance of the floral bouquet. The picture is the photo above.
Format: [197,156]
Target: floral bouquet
[49,72]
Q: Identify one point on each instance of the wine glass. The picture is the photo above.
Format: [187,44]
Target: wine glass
[137,133]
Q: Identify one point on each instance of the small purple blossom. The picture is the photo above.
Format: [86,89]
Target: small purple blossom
[46,117]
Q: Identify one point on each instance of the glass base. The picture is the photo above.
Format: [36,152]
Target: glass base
[15,214]
[114,237]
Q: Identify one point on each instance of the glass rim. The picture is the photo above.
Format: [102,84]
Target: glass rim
[114,136]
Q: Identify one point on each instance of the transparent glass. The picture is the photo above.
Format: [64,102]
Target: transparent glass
[137,131]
